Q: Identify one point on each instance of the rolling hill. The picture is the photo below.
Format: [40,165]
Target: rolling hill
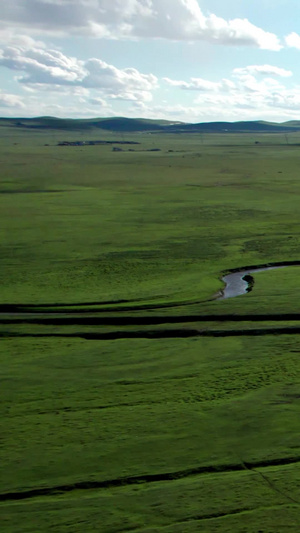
[121,124]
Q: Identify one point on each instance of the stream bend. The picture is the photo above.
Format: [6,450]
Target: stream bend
[241,281]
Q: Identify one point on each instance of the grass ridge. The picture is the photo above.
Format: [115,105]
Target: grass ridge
[147,478]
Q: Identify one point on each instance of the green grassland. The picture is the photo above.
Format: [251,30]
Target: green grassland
[86,222]
[112,420]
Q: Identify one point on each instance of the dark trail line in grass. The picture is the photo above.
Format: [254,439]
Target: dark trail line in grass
[55,308]
[215,516]
[274,488]
[193,333]
[147,478]
[263,265]
[145,320]
[25,307]
[160,334]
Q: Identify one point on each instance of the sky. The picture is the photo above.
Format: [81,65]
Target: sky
[180,60]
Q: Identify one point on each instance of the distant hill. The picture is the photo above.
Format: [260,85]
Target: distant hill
[121,124]
[292,123]
[234,127]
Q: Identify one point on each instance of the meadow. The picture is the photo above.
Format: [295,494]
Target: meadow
[132,399]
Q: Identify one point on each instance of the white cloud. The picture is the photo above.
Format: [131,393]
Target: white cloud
[98,102]
[268,102]
[199,84]
[167,19]
[238,31]
[41,66]
[252,94]
[34,104]
[263,70]
[50,68]
[250,79]
[293,40]
[120,83]
[11,100]
[227,107]
[13,38]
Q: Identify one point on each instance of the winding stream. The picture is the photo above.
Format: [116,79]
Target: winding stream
[242,281]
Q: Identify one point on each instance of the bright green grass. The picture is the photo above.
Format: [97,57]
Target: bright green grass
[141,225]
[84,225]
[78,411]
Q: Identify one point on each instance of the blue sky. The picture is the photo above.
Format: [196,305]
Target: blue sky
[187,60]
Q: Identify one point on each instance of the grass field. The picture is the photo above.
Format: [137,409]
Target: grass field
[132,400]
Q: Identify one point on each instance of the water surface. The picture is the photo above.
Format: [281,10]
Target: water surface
[235,285]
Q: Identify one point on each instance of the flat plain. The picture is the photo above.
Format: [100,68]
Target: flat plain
[132,399]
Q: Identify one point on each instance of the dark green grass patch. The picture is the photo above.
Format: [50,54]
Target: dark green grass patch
[238,501]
